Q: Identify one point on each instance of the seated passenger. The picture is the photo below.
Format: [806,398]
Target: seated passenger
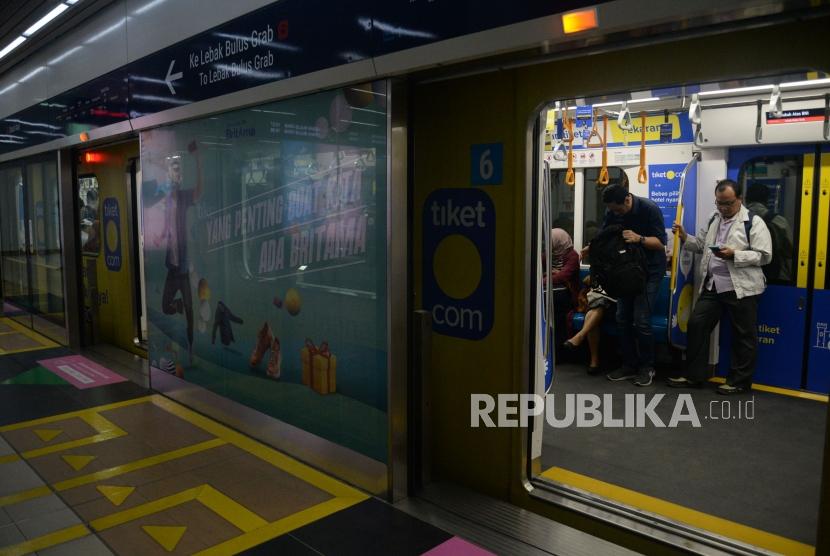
[595,304]
[564,279]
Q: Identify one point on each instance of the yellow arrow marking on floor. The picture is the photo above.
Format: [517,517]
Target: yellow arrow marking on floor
[115,494]
[47,435]
[78,462]
[167,536]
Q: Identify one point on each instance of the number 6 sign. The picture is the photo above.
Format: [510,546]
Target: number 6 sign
[486,164]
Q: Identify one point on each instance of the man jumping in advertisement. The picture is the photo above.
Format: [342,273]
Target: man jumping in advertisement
[176,203]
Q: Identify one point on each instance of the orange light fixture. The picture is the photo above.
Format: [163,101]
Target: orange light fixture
[92,157]
[582,20]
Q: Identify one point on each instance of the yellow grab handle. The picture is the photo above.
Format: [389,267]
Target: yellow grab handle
[595,133]
[642,175]
[603,172]
[570,177]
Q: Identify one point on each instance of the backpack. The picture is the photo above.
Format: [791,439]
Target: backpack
[617,267]
[773,268]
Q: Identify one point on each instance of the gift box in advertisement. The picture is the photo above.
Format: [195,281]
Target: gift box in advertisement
[319,367]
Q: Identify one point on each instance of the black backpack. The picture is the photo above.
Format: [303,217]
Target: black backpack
[617,267]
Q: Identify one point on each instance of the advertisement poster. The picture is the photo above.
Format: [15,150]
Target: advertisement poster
[265,248]
[664,188]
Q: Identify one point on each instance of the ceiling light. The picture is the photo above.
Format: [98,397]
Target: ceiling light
[734,91]
[12,45]
[574,22]
[56,11]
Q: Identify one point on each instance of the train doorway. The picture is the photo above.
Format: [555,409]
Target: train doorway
[108,179]
[670,147]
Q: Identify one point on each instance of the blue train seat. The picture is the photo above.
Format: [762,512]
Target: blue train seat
[659,316]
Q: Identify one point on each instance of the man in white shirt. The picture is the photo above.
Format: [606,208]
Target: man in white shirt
[735,246]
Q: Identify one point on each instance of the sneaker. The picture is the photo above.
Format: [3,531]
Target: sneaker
[594,370]
[728,389]
[644,377]
[623,373]
[264,339]
[682,382]
[274,368]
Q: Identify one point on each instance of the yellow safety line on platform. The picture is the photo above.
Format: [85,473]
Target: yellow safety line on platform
[277,528]
[782,391]
[275,458]
[44,342]
[138,464]
[223,506]
[720,526]
[9,458]
[255,529]
[45,541]
[79,413]
[238,515]
[36,492]
[106,431]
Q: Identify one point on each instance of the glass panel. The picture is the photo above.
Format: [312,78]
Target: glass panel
[90,221]
[593,208]
[771,190]
[13,261]
[46,265]
[562,200]
[265,253]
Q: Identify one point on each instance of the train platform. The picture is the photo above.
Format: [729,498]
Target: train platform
[92,463]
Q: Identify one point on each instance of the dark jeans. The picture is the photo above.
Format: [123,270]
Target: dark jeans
[634,326]
[178,282]
[707,313]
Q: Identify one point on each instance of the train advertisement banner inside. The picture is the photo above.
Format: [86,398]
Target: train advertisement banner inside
[683,261]
[265,242]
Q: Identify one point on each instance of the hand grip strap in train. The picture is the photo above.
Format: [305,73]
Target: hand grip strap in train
[642,176]
[595,133]
[603,172]
[570,176]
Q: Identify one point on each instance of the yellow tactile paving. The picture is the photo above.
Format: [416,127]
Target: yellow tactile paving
[214,495]
[37,341]
[701,520]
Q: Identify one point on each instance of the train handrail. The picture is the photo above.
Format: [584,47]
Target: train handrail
[642,175]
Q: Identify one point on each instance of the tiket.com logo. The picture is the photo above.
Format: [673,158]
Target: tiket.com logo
[591,410]
[459,238]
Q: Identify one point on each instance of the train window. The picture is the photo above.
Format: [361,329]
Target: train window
[770,185]
[593,209]
[563,202]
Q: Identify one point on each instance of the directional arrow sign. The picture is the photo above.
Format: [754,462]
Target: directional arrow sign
[172,77]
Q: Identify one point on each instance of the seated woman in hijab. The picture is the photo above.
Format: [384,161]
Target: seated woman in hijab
[564,279]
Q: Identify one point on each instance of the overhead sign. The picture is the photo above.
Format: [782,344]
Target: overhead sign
[282,40]
[797,116]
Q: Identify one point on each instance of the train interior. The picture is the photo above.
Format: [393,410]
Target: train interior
[750,473]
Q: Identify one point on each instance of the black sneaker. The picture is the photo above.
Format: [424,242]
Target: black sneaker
[623,373]
[682,382]
[728,389]
[644,377]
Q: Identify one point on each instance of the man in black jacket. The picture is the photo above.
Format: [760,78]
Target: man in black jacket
[642,223]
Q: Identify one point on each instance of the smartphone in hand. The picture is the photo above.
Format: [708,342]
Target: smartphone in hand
[715,248]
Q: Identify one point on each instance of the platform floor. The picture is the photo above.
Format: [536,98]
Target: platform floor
[756,480]
[114,468]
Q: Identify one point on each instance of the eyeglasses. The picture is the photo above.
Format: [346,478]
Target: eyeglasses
[725,203]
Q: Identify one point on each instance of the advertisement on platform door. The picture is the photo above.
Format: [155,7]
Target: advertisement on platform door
[265,242]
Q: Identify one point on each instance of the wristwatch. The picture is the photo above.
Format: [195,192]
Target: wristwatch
[642,239]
